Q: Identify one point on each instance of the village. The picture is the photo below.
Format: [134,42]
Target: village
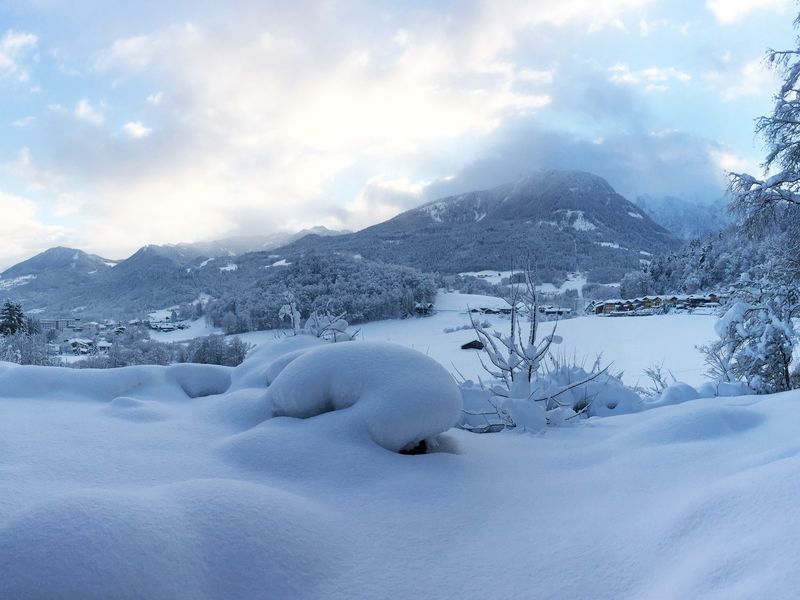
[79,338]
[655,304]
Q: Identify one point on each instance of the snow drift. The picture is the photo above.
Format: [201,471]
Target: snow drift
[153,482]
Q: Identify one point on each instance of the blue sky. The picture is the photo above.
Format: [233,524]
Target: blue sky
[123,124]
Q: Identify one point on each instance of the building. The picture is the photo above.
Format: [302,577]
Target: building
[59,324]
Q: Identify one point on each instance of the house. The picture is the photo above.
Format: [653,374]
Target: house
[80,345]
[423,309]
[59,324]
[557,311]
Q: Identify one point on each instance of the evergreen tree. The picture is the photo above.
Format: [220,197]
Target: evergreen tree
[12,319]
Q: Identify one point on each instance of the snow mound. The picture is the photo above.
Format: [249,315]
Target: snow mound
[677,393]
[196,539]
[692,423]
[399,396]
[192,380]
[263,362]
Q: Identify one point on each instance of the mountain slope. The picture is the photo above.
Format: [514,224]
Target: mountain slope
[569,220]
[687,220]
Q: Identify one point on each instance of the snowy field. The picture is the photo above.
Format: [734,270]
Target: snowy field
[197,328]
[180,482]
[631,344]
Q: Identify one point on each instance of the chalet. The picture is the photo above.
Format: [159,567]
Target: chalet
[80,345]
[423,309]
[556,311]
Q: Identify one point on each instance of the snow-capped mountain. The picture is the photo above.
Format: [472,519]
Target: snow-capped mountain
[568,221]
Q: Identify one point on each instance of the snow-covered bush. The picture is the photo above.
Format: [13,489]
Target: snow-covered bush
[757,335]
[555,397]
[529,387]
[26,349]
[484,325]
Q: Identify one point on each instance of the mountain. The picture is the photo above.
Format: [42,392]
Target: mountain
[568,220]
[686,219]
[51,273]
[58,259]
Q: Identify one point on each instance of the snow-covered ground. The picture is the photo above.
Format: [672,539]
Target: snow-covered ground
[196,328]
[632,344]
[174,482]
[575,281]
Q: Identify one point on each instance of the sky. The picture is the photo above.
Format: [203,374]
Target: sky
[123,124]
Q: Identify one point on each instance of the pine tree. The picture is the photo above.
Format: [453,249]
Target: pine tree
[12,319]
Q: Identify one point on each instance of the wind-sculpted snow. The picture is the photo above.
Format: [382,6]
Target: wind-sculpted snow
[400,396]
[181,483]
[213,538]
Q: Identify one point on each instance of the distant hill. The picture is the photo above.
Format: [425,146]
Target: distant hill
[233,246]
[686,219]
[569,220]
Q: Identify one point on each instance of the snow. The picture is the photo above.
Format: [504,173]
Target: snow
[581,223]
[162,314]
[165,482]
[205,262]
[614,245]
[395,410]
[490,276]
[281,263]
[229,267]
[630,344]
[7,284]
[635,215]
[196,328]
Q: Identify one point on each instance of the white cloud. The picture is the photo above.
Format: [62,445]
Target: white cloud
[729,11]
[382,198]
[22,234]
[752,78]
[23,122]
[261,125]
[652,78]
[728,161]
[84,111]
[14,46]
[136,130]
[155,99]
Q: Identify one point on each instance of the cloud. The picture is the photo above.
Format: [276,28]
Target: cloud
[258,129]
[382,198]
[136,130]
[730,11]
[84,111]
[663,163]
[14,48]
[23,122]
[654,78]
[155,99]
[752,78]
[22,234]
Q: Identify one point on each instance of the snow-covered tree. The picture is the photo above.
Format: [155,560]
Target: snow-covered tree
[12,319]
[289,312]
[757,334]
[756,196]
